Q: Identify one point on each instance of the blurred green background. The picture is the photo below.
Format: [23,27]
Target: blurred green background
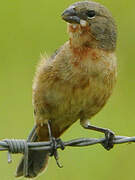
[30,28]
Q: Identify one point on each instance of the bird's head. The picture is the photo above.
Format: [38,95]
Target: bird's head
[90,24]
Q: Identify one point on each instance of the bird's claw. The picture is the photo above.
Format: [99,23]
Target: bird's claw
[53,152]
[109,137]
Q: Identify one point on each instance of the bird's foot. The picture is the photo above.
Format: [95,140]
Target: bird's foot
[109,137]
[55,143]
[54,152]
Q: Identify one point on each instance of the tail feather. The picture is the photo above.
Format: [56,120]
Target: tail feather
[37,161]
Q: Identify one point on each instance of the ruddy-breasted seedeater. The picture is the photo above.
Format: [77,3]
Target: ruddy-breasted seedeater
[76,81]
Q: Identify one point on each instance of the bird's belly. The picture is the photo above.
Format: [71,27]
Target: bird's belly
[81,100]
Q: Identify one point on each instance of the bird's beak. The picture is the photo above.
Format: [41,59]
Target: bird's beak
[70,16]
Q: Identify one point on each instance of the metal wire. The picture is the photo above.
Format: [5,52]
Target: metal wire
[15,146]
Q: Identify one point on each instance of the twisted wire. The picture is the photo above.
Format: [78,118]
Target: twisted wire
[14,146]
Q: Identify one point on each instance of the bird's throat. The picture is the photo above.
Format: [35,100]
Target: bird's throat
[81,37]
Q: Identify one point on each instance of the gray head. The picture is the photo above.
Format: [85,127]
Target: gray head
[98,18]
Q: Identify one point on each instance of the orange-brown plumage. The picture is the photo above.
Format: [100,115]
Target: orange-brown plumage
[77,81]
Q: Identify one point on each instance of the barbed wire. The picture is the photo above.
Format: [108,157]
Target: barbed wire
[14,146]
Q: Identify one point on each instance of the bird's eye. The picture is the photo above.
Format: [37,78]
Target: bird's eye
[91,13]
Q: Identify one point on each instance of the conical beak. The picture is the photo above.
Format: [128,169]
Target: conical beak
[70,16]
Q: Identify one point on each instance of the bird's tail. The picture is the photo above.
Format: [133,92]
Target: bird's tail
[37,160]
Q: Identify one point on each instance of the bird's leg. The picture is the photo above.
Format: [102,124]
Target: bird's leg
[109,135]
[54,143]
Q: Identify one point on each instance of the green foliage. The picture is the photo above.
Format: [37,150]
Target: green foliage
[29,28]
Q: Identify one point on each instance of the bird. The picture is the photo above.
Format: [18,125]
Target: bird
[75,82]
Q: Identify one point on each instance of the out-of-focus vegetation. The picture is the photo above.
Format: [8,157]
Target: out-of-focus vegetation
[28,28]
